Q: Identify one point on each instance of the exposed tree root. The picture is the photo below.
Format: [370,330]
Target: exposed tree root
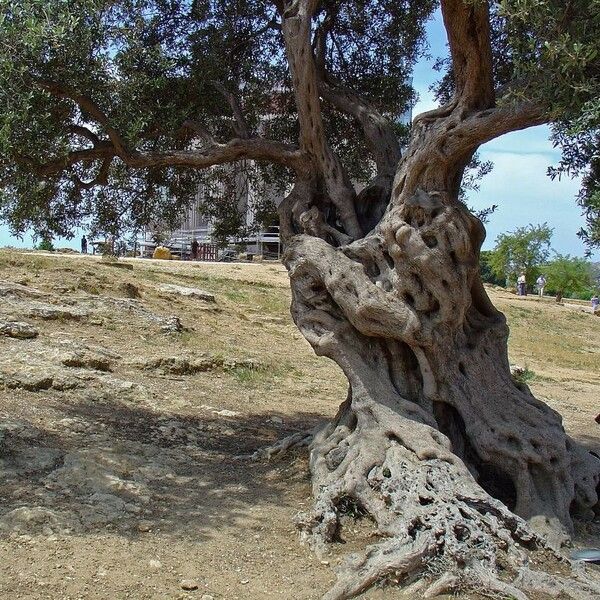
[296,440]
[438,524]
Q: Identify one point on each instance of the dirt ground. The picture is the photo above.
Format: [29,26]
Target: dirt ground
[122,424]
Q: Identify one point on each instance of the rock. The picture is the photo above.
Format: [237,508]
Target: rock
[35,459]
[154,564]
[188,584]
[16,290]
[190,292]
[277,420]
[87,359]
[207,597]
[16,329]
[28,379]
[145,527]
[50,312]
[172,325]
[35,519]
[226,413]
[180,365]
[129,290]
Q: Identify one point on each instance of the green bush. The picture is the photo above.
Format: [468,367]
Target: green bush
[45,244]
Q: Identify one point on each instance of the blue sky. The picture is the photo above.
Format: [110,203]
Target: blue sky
[518,184]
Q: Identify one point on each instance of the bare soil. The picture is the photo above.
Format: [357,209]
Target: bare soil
[121,437]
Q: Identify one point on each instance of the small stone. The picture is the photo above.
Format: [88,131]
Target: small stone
[154,564]
[277,420]
[15,329]
[324,562]
[187,291]
[226,413]
[244,581]
[188,584]
[207,597]
[144,527]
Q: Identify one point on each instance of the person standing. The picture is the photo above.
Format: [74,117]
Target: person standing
[595,302]
[195,247]
[84,245]
[522,285]
[541,283]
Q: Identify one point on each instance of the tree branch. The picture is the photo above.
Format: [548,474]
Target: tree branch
[85,132]
[378,131]
[486,125]
[202,132]
[89,106]
[213,153]
[281,153]
[241,126]
[297,23]
[468,29]
[100,179]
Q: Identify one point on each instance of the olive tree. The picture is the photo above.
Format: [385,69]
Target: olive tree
[523,250]
[462,470]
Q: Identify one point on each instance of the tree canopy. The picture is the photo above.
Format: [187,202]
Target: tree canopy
[112,110]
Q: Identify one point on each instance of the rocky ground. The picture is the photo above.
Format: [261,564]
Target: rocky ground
[130,394]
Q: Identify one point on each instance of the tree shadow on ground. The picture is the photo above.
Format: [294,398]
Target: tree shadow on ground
[113,467]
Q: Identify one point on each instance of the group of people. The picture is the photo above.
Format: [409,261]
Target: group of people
[522,285]
[541,284]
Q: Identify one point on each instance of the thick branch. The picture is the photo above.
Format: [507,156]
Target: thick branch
[297,21]
[90,107]
[86,133]
[215,154]
[378,131]
[102,151]
[486,125]
[468,28]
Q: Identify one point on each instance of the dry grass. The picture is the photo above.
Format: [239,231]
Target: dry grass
[250,538]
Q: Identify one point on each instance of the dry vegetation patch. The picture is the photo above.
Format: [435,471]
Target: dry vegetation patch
[119,436]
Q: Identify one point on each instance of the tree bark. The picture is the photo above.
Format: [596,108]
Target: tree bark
[458,465]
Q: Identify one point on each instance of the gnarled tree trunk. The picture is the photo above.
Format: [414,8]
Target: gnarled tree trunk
[435,431]
[458,465]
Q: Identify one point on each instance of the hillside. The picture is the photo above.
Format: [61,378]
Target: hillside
[127,403]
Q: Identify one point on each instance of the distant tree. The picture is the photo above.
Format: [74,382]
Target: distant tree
[486,271]
[568,276]
[521,250]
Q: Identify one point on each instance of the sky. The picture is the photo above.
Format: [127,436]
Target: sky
[518,183]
